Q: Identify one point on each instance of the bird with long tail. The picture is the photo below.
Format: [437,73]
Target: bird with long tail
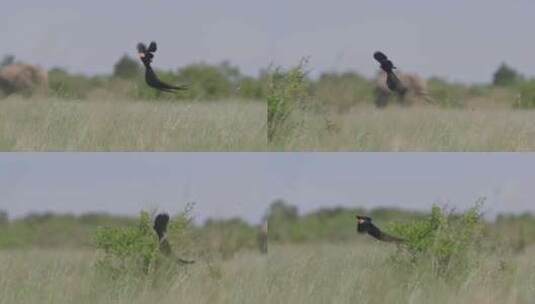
[365,225]
[160,226]
[146,54]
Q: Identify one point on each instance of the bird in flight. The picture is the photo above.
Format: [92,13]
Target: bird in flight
[160,226]
[392,81]
[146,55]
[365,225]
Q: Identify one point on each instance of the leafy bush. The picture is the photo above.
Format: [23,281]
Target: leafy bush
[445,239]
[130,249]
[287,92]
[134,250]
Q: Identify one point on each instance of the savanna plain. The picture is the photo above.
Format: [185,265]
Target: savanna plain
[312,258]
[280,109]
[348,112]
[320,273]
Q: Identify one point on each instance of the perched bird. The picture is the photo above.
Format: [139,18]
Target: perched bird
[365,225]
[392,81]
[160,226]
[146,55]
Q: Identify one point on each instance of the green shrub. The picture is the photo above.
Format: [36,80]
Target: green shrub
[287,92]
[134,250]
[127,250]
[445,240]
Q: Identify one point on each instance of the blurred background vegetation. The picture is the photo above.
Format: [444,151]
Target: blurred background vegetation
[205,81]
[225,237]
[337,90]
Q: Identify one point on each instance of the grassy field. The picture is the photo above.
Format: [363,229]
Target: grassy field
[115,125]
[366,128]
[122,125]
[314,273]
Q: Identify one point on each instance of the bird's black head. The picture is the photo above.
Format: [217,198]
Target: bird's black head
[386,64]
[160,224]
[146,54]
[363,223]
[380,56]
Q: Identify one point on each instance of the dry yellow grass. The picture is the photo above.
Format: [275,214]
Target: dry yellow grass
[123,125]
[319,273]
[424,128]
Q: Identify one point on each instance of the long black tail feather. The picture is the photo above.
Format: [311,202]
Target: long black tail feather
[160,226]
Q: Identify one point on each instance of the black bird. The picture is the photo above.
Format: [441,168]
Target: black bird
[160,226]
[392,81]
[365,225]
[146,55]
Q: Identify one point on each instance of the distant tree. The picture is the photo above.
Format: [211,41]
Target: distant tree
[7,60]
[126,68]
[505,76]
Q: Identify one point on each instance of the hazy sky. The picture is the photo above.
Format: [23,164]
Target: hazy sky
[244,184]
[457,39]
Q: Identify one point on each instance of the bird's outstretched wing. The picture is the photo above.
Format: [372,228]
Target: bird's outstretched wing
[141,48]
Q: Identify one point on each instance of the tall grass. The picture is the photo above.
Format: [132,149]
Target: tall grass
[447,257]
[425,128]
[127,125]
[315,273]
